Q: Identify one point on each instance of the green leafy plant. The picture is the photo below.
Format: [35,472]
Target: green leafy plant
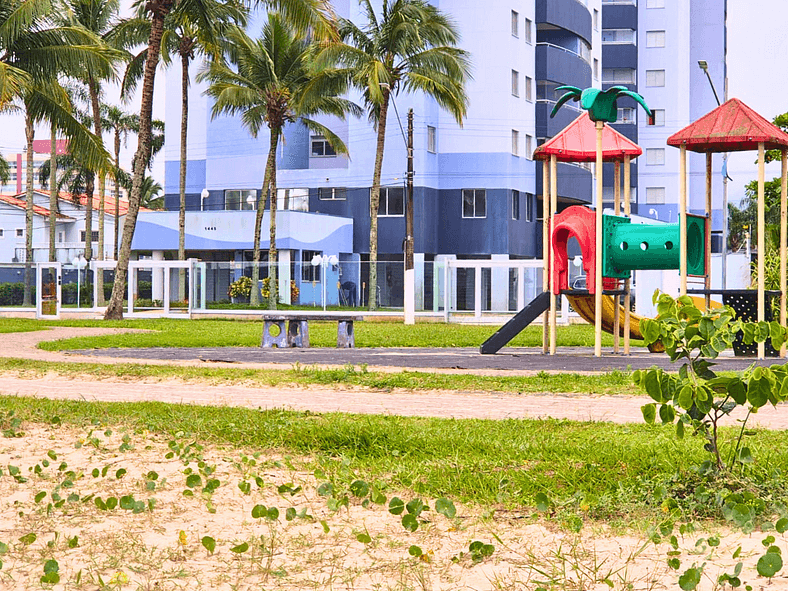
[240,288]
[697,398]
[265,290]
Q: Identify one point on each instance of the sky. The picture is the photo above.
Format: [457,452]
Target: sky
[757,44]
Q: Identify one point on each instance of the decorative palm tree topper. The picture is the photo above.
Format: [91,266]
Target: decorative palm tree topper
[600,104]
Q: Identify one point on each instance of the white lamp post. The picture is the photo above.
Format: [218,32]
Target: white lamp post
[204,194]
[324,261]
[79,263]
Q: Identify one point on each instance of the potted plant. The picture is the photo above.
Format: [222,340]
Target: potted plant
[240,290]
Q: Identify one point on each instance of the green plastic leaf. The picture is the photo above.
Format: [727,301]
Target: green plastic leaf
[208,543]
[769,564]
[445,507]
[649,412]
[396,506]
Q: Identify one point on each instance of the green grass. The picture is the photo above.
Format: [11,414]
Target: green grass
[245,333]
[615,382]
[620,473]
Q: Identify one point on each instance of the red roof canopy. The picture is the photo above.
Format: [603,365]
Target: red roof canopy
[577,143]
[37,209]
[731,127]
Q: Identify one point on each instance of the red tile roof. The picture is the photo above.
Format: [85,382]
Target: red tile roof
[731,127]
[37,209]
[109,202]
[577,143]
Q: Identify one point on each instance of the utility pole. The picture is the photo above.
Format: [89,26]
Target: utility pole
[410,279]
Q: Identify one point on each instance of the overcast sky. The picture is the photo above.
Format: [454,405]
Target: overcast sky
[757,50]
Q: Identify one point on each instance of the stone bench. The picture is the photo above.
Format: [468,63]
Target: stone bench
[297,332]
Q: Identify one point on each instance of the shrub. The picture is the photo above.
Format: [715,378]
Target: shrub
[241,288]
[294,291]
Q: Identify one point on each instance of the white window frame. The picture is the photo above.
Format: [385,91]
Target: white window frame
[528,146]
[655,78]
[528,37]
[384,198]
[529,207]
[655,195]
[332,193]
[618,76]
[659,117]
[20,232]
[515,24]
[515,142]
[596,19]
[432,139]
[475,214]
[326,147]
[529,92]
[655,39]
[618,36]
[515,83]
[94,235]
[655,156]
[626,115]
[596,69]
[515,201]
[292,199]
[243,196]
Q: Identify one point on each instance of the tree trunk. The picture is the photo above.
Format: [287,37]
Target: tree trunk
[30,134]
[374,202]
[254,300]
[182,188]
[117,194]
[159,10]
[93,88]
[90,184]
[273,296]
[52,194]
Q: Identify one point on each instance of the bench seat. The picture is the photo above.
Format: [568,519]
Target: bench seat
[296,333]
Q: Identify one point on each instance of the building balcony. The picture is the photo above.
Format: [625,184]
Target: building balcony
[569,15]
[561,65]
[547,127]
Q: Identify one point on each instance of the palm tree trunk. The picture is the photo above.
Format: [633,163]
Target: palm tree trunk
[273,296]
[158,10]
[182,188]
[374,202]
[270,165]
[117,194]
[52,193]
[90,184]
[30,134]
[93,88]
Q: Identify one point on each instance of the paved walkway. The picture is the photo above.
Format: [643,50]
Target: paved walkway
[618,409]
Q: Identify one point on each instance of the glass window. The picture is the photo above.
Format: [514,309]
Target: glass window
[596,19]
[529,93]
[515,24]
[515,83]
[292,199]
[474,203]
[655,38]
[321,147]
[309,272]
[515,204]
[528,30]
[659,117]
[655,156]
[20,232]
[432,140]
[529,207]
[515,142]
[245,199]
[596,69]
[94,235]
[332,193]
[619,76]
[392,202]
[655,195]
[528,146]
[626,115]
[655,77]
[610,36]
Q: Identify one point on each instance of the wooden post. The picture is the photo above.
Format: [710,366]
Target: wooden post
[683,218]
[553,210]
[707,277]
[617,299]
[783,241]
[600,126]
[627,283]
[546,250]
[761,243]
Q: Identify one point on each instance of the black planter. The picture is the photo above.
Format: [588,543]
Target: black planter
[745,303]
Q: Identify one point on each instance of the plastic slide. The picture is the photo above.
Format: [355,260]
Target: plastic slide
[584,305]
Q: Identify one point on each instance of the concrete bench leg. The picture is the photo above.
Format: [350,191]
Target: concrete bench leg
[298,334]
[270,341]
[346,336]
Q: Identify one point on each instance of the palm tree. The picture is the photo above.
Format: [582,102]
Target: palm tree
[121,124]
[269,82]
[5,170]
[412,47]
[314,15]
[600,104]
[33,53]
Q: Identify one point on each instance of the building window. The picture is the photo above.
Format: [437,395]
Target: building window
[596,69]
[655,38]
[619,76]
[93,236]
[515,83]
[309,272]
[332,193]
[292,199]
[321,148]
[529,207]
[529,93]
[655,195]
[240,200]
[432,139]
[655,156]
[626,115]
[655,77]
[659,117]
[515,24]
[528,146]
[1,232]
[611,36]
[515,204]
[20,233]
[655,3]
[60,236]
[392,202]
[474,203]
[528,31]
[596,19]
[515,142]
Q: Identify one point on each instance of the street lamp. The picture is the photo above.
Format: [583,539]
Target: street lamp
[324,261]
[204,194]
[705,67]
[79,263]
[410,278]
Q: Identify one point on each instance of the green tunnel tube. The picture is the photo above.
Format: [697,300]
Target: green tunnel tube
[630,246]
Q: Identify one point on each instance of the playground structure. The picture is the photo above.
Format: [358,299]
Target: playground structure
[613,246]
